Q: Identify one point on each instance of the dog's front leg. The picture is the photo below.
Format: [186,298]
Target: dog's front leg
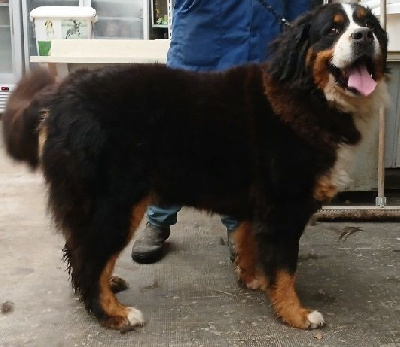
[277,248]
[247,269]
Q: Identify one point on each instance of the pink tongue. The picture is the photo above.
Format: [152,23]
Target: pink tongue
[360,80]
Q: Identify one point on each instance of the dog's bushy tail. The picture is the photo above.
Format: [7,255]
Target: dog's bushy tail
[22,117]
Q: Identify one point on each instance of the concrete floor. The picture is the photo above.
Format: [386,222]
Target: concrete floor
[191,297]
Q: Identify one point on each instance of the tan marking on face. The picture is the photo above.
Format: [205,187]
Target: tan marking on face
[324,189]
[320,68]
[361,13]
[309,56]
[246,260]
[286,303]
[339,18]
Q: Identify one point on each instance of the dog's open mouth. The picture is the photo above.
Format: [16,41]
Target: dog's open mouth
[357,77]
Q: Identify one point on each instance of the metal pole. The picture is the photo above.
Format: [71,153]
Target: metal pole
[381,199]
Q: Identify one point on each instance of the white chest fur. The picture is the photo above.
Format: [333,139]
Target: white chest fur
[366,113]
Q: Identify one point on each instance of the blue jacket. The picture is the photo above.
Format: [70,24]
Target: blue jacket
[218,34]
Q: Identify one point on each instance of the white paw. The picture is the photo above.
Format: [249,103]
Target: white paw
[316,319]
[135,317]
[238,271]
[254,284]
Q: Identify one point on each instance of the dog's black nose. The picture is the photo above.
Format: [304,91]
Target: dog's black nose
[362,36]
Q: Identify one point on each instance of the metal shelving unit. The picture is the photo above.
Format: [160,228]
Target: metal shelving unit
[161,14]
[11,68]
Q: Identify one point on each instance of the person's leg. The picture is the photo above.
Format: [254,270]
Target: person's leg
[148,246]
[162,216]
[231,225]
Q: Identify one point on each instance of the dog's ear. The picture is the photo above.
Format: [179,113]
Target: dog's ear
[316,3]
[287,57]
[382,36]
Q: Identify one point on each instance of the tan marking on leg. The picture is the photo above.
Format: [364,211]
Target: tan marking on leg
[246,260]
[288,306]
[108,300]
[324,189]
[138,212]
[120,316]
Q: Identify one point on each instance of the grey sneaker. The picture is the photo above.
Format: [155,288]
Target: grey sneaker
[231,246]
[148,246]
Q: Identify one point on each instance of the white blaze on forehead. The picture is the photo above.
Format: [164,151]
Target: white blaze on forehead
[349,12]
[343,50]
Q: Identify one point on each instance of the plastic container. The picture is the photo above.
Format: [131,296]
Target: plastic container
[61,22]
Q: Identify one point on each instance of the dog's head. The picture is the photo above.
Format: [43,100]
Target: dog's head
[340,49]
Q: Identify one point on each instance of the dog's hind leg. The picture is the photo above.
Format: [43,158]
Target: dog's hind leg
[278,246]
[92,259]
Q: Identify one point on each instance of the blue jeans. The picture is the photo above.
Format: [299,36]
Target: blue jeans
[167,215]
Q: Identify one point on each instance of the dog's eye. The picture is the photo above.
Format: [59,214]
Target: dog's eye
[334,30]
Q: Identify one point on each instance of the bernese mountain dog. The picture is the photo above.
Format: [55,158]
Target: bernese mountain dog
[267,144]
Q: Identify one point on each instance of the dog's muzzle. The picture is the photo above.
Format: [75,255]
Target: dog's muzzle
[362,36]
[362,42]
[359,75]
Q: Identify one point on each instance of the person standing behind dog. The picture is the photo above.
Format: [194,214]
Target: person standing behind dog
[213,35]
